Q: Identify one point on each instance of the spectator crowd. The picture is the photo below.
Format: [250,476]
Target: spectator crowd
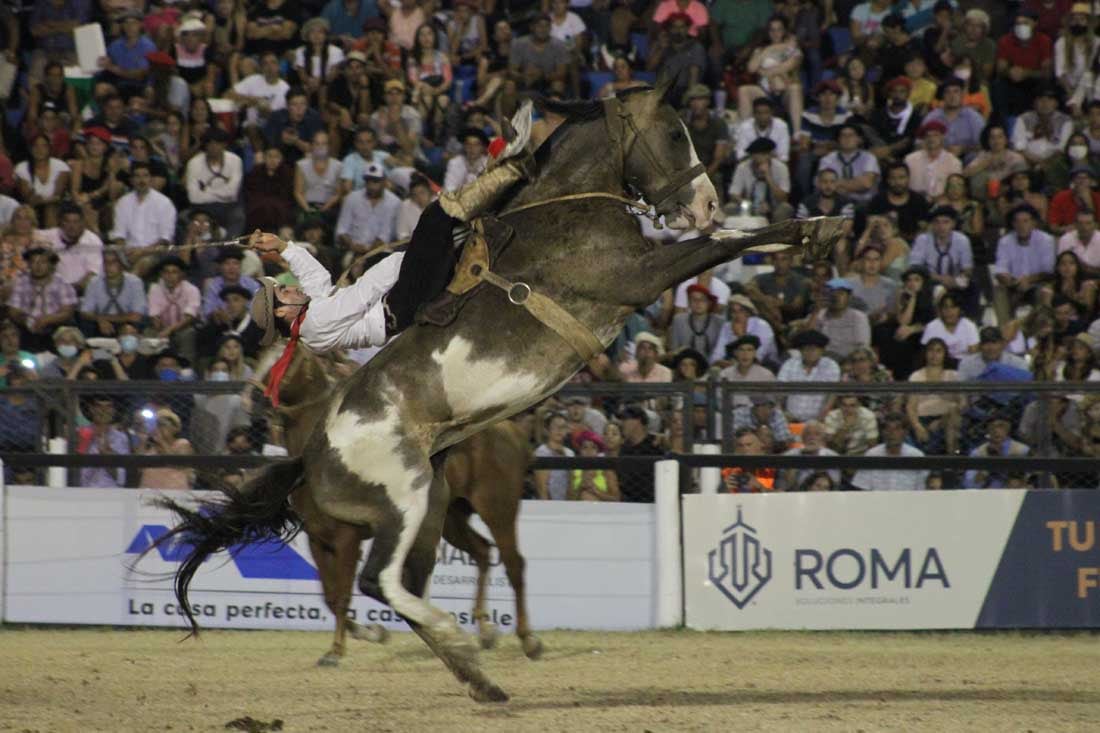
[959,140]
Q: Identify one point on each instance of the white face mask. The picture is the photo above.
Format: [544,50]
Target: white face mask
[128,343]
[1023,31]
[1077,152]
[66,351]
[963,74]
[218,376]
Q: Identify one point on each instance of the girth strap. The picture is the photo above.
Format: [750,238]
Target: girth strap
[548,313]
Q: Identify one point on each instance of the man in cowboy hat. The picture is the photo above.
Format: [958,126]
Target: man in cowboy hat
[384,300]
[41,300]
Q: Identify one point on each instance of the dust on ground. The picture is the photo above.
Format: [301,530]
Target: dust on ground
[117,680]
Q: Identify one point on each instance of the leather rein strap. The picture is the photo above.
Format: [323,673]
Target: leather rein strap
[544,309]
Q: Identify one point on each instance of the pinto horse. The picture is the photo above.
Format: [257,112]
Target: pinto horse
[376,458]
[485,473]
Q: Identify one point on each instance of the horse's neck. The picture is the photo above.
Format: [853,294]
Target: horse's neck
[580,160]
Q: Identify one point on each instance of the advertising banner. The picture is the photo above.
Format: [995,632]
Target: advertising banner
[72,557]
[913,560]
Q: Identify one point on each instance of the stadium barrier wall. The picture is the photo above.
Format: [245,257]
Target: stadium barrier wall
[71,557]
[890,560]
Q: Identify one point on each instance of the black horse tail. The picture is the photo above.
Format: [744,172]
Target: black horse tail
[259,511]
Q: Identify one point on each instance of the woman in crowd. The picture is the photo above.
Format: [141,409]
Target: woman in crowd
[1076,153]
[612,438]
[882,231]
[1074,53]
[165,440]
[467,34]
[1069,281]
[899,339]
[1019,188]
[957,331]
[200,118]
[93,176]
[935,418]
[172,144]
[231,353]
[429,77]
[318,61]
[1080,364]
[317,188]
[993,165]
[43,180]
[862,367]
[593,484]
[622,78]
[969,211]
[14,241]
[775,66]
[856,93]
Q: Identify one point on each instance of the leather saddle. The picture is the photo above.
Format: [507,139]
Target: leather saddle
[489,237]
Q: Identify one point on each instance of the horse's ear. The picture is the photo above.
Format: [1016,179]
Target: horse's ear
[663,91]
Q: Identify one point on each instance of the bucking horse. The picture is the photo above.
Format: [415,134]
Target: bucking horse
[485,474]
[561,266]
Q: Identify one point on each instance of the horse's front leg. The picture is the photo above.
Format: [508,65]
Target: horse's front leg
[674,263]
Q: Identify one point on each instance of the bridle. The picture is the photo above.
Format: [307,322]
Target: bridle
[624,134]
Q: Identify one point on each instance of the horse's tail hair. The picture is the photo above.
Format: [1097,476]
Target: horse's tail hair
[259,511]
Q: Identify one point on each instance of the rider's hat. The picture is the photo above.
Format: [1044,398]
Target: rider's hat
[263,310]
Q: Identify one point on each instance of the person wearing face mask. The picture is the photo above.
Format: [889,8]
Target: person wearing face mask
[134,364]
[214,182]
[1079,197]
[1024,62]
[975,44]
[317,187]
[1075,49]
[70,349]
[896,121]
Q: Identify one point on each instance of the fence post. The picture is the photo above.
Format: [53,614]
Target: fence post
[725,418]
[710,477]
[57,476]
[669,564]
[3,545]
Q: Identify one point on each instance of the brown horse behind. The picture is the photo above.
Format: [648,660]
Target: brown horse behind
[485,473]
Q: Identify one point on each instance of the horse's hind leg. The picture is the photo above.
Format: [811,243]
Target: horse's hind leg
[504,534]
[458,532]
[399,568]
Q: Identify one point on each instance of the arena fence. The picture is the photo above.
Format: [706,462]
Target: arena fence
[46,425]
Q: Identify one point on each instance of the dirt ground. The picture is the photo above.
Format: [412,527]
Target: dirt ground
[107,680]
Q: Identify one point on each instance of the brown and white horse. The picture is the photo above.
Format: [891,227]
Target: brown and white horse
[376,458]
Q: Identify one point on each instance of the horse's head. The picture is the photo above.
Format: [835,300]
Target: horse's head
[659,160]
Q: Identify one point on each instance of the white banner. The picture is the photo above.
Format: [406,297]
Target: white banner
[858,560]
[71,555]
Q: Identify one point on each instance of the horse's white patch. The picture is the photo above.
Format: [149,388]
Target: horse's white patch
[371,449]
[704,200]
[472,385]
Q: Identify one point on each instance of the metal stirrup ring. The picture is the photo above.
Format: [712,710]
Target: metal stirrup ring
[518,293]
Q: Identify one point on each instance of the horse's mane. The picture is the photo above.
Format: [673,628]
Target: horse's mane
[580,110]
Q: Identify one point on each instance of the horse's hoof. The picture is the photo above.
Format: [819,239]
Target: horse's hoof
[487,634]
[488,693]
[532,646]
[329,660]
[374,633]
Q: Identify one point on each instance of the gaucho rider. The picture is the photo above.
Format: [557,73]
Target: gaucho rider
[384,300]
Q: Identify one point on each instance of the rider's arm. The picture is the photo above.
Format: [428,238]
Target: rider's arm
[314,278]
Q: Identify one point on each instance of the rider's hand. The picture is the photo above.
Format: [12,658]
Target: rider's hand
[264,242]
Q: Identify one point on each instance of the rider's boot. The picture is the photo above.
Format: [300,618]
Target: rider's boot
[430,257]
[479,195]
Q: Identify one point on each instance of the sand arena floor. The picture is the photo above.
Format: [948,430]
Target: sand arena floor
[108,680]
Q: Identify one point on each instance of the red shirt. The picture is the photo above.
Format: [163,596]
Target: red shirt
[1031,55]
[1050,14]
[1063,207]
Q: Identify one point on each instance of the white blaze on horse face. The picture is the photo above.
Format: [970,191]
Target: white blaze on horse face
[704,199]
[472,385]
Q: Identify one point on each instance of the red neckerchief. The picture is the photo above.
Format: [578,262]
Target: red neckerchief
[280,367]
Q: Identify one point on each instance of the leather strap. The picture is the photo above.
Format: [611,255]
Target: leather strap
[547,312]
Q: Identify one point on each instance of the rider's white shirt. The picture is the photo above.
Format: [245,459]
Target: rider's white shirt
[342,318]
